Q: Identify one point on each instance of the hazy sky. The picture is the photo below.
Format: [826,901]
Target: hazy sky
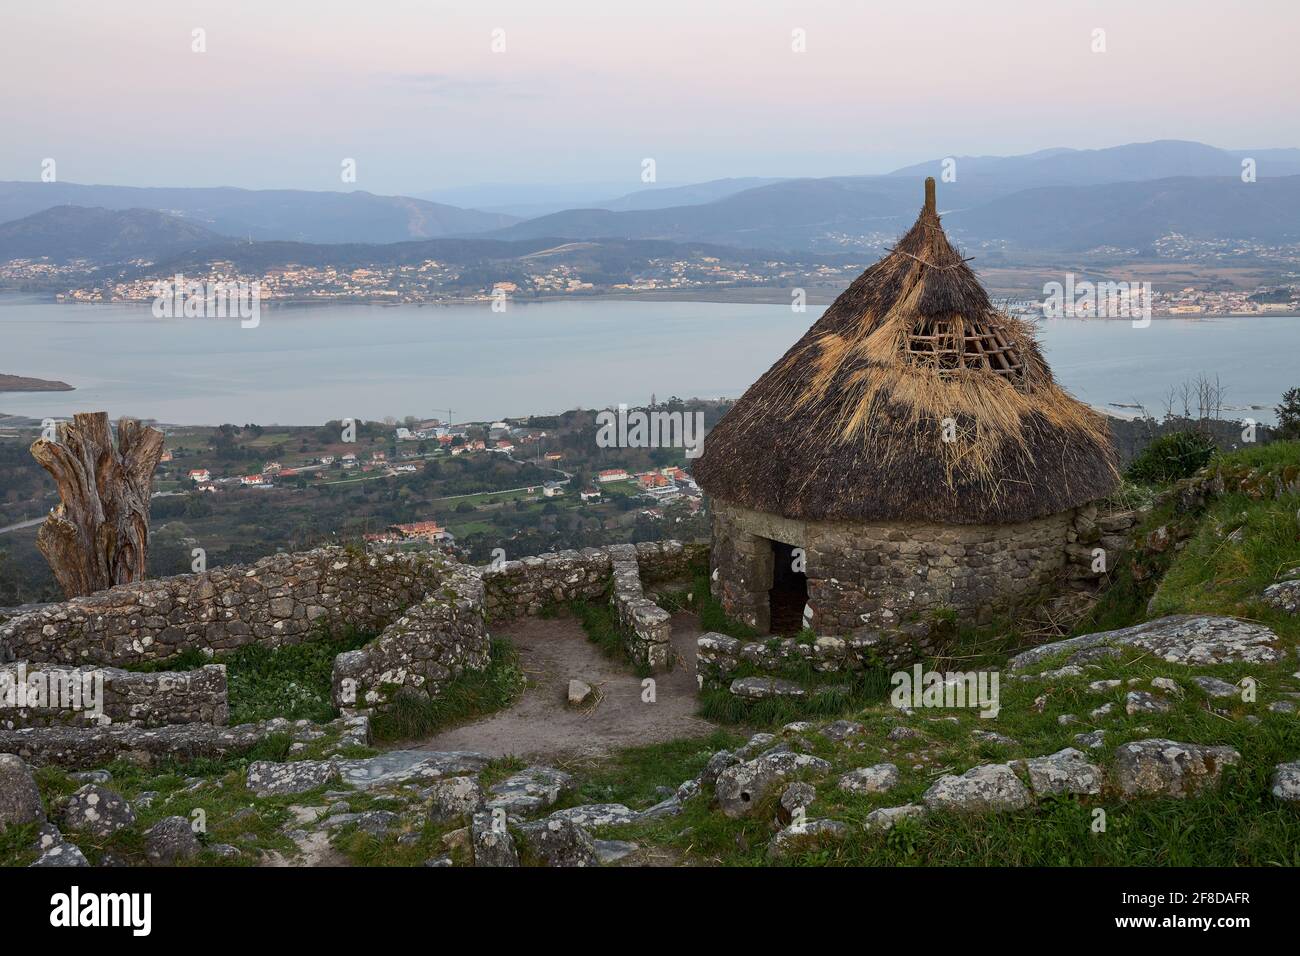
[585,90]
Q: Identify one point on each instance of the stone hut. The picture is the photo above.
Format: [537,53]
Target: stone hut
[911,452]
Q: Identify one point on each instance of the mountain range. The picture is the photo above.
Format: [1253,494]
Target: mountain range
[1055,199]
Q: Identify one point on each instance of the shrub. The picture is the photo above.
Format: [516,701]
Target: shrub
[1171,457]
[1288,414]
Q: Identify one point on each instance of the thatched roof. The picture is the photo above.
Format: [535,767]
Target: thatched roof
[850,423]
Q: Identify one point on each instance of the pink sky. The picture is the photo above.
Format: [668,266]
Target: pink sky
[585,90]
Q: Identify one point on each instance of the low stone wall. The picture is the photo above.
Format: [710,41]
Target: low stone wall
[68,695]
[647,628]
[527,586]
[720,658]
[435,642]
[278,600]
[84,748]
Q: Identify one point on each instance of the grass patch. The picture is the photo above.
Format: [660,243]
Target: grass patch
[471,695]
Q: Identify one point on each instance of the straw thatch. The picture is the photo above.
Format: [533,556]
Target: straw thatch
[850,423]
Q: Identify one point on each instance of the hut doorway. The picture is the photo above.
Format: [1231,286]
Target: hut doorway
[789,593]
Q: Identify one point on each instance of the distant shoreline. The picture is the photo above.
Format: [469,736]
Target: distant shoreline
[757,295]
[21,383]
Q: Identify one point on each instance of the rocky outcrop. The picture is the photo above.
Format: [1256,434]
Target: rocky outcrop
[1167,768]
[984,789]
[1178,639]
[1285,595]
[490,840]
[1064,772]
[559,842]
[20,800]
[1286,781]
[881,778]
[170,841]
[97,811]
[530,790]
[741,788]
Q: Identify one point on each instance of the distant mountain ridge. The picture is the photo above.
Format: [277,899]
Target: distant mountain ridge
[64,233]
[1188,187]
[289,214]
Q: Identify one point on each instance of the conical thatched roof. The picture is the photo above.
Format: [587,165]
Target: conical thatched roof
[850,423]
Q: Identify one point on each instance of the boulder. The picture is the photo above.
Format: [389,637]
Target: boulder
[988,788]
[267,778]
[491,840]
[579,692]
[881,778]
[1159,767]
[97,811]
[719,762]
[20,800]
[802,836]
[1286,781]
[1214,687]
[1285,596]
[454,798]
[1140,702]
[597,815]
[612,851]
[797,796]
[741,788]
[530,790]
[559,842]
[842,729]
[170,841]
[61,854]
[1064,772]
[885,818]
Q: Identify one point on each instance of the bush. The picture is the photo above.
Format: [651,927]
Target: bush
[1171,457]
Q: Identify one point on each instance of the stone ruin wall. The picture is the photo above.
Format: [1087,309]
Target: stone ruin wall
[433,616]
[129,698]
[281,599]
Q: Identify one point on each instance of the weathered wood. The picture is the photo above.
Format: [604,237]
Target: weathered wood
[98,536]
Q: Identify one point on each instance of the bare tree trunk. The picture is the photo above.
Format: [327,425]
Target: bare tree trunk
[99,535]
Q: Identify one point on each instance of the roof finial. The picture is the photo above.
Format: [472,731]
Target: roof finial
[929,195]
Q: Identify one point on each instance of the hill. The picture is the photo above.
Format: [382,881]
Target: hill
[64,233]
[295,214]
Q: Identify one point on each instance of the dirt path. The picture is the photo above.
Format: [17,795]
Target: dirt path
[540,725]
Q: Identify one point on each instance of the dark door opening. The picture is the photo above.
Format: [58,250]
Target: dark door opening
[789,592]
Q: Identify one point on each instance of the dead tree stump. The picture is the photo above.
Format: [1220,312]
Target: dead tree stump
[99,535]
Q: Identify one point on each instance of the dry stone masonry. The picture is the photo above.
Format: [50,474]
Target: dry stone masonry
[282,599]
[129,698]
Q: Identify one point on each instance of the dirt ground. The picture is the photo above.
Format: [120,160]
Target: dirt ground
[540,724]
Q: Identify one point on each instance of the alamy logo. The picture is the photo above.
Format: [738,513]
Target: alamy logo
[178,298]
[1098,300]
[921,688]
[74,909]
[72,690]
[640,429]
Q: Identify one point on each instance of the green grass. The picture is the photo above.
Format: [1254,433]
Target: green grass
[601,625]
[292,681]
[473,694]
